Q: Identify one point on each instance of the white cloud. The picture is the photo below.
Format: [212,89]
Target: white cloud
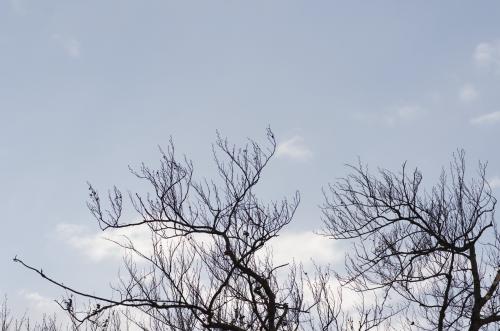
[98,246]
[70,45]
[391,116]
[487,54]
[408,113]
[38,301]
[18,6]
[402,114]
[304,246]
[483,53]
[489,118]
[494,182]
[294,148]
[39,306]
[468,93]
[300,247]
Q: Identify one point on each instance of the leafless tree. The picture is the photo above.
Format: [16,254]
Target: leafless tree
[436,252]
[113,321]
[208,268]
[331,311]
[10,323]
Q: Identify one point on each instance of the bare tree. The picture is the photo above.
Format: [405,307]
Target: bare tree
[436,252]
[114,321]
[330,309]
[208,267]
[10,323]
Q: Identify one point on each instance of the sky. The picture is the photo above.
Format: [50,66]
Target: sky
[88,88]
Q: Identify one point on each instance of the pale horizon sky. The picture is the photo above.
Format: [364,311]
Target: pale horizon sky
[90,87]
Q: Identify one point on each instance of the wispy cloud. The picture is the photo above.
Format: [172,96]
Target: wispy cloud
[403,114]
[294,148]
[98,246]
[18,6]
[70,45]
[39,306]
[468,93]
[487,54]
[302,247]
[489,118]
[408,113]
[38,301]
[494,182]
[392,116]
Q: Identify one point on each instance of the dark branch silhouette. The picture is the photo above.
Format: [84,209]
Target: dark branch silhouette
[436,252]
[208,268]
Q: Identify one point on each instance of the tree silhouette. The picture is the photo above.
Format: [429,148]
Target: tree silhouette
[208,268]
[436,251]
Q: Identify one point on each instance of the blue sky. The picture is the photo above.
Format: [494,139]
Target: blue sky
[90,87]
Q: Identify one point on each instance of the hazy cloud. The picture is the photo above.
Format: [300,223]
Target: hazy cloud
[37,303]
[289,246]
[494,182]
[403,114]
[391,117]
[304,246]
[98,246]
[487,54]
[18,6]
[489,118]
[408,112]
[38,306]
[294,148]
[70,45]
[468,93]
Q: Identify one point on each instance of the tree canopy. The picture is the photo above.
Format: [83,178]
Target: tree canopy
[421,259]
